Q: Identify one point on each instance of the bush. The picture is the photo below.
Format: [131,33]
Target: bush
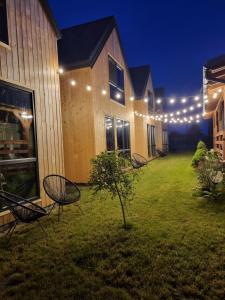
[211,176]
[108,175]
[199,154]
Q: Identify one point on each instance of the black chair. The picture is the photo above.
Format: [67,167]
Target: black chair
[135,165]
[23,210]
[62,191]
[161,153]
[139,159]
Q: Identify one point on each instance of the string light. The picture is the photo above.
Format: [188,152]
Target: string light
[73,82]
[158,101]
[172,101]
[162,118]
[215,95]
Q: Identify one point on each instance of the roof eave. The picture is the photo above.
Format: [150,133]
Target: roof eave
[51,18]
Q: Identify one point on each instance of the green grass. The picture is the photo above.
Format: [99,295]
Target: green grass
[175,248]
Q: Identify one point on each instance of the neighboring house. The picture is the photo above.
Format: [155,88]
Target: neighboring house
[98,99]
[96,89]
[214,94]
[150,134]
[30,110]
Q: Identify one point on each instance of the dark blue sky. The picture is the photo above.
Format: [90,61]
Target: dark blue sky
[175,37]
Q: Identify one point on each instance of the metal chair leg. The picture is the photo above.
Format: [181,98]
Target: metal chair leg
[42,228]
[9,234]
[60,211]
[81,210]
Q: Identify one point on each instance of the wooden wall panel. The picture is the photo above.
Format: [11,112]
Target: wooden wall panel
[32,62]
[78,124]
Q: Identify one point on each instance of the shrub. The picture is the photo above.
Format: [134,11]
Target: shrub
[199,154]
[108,175]
[211,176]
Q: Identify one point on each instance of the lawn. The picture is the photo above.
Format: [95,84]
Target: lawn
[175,248]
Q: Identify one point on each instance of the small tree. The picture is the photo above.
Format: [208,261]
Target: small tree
[108,175]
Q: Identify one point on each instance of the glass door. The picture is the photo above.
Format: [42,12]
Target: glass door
[151,140]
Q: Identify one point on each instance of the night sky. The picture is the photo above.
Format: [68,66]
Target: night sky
[175,37]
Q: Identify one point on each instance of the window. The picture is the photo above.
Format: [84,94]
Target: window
[165,141]
[18,158]
[116,82]
[150,102]
[123,135]
[3,22]
[110,136]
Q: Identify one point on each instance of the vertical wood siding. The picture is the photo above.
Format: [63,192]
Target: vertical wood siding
[32,62]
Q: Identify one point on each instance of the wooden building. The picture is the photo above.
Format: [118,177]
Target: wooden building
[97,97]
[214,99]
[31,145]
[150,134]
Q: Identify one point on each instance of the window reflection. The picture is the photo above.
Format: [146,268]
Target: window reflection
[110,137]
[123,135]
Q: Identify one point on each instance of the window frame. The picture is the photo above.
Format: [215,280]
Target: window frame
[116,85]
[30,159]
[5,42]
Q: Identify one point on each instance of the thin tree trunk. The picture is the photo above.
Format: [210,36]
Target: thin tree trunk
[121,203]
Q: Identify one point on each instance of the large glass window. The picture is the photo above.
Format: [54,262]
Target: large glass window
[116,82]
[110,136]
[18,158]
[123,135]
[3,22]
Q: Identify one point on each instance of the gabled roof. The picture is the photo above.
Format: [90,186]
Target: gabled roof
[50,16]
[81,45]
[139,78]
[216,62]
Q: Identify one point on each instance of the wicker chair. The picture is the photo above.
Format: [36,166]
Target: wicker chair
[62,191]
[24,211]
[161,153]
[139,160]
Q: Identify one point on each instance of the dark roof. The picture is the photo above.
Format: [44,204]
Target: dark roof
[216,62]
[81,45]
[139,78]
[50,16]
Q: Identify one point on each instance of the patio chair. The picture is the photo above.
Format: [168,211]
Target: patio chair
[139,159]
[62,191]
[161,153]
[23,210]
[135,165]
